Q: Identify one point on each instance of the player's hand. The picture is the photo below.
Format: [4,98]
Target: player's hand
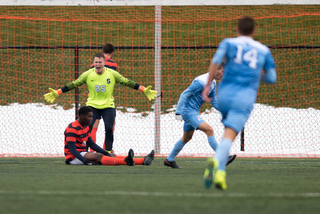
[151,94]
[87,162]
[50,97]
[179,117]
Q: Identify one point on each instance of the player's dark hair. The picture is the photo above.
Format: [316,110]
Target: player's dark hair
[108,48]
[99,55]
[84,110]
[246,25]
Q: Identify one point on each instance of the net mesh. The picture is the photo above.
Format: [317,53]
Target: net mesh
[44,47]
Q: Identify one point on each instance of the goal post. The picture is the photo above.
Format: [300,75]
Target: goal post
[44,43]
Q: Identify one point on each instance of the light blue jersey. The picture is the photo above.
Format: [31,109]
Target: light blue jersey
[245,59]
[191,100]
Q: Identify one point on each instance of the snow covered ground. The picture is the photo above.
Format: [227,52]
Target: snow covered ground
[37,130]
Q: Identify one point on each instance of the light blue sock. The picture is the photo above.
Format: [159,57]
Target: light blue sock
[213,142]
[176,149]
[223,153]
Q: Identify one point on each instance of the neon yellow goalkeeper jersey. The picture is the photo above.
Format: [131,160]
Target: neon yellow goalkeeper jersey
[101,86]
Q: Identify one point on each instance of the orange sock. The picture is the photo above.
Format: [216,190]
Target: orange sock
[138,161]
[94,134]
[118,156]
[106,160]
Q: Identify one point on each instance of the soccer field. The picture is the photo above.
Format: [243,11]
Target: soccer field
[38,51]
[47,185]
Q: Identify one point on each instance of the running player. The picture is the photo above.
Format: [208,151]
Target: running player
[245,59]
[188,109]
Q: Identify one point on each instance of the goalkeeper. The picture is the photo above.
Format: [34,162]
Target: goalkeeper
[107,51]
[188,109]
[100,81]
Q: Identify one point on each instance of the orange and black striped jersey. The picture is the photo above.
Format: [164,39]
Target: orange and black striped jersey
[108,64]
[75,133]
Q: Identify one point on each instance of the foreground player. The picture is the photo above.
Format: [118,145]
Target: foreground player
[188,109]
[78,139]
[245,59]
[107,51]
[100,81]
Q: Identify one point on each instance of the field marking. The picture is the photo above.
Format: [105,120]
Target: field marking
[164,194]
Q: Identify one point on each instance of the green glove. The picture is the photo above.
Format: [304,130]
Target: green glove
[50,97]
[151,94]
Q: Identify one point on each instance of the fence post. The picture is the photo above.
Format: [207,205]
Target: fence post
[157,76]
[242,140]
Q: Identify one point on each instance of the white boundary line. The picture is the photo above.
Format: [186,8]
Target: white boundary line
[166,194]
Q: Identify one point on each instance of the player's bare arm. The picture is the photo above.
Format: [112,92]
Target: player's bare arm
[213,68]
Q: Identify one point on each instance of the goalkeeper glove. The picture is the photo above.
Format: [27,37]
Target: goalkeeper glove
[151,94]
[50,97]
[179,117]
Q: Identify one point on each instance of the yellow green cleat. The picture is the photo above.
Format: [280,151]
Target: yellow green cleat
[220,180]
[212,165]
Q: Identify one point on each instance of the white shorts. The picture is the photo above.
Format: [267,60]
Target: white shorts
[76,161]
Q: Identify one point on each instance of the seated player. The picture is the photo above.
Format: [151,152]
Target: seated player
[188,109]
[78,139]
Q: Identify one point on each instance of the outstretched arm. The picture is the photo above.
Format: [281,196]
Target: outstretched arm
[150,94]
[53,94]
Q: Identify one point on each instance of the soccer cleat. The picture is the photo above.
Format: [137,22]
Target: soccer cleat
[231,159]
[129,158]
[220,180]
[149,158]
[212,165]
[171,164]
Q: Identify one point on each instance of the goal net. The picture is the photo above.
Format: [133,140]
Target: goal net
[163,46]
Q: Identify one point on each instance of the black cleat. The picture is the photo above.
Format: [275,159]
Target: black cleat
[231,159]
[149,158]
[129,158]
[171,164]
